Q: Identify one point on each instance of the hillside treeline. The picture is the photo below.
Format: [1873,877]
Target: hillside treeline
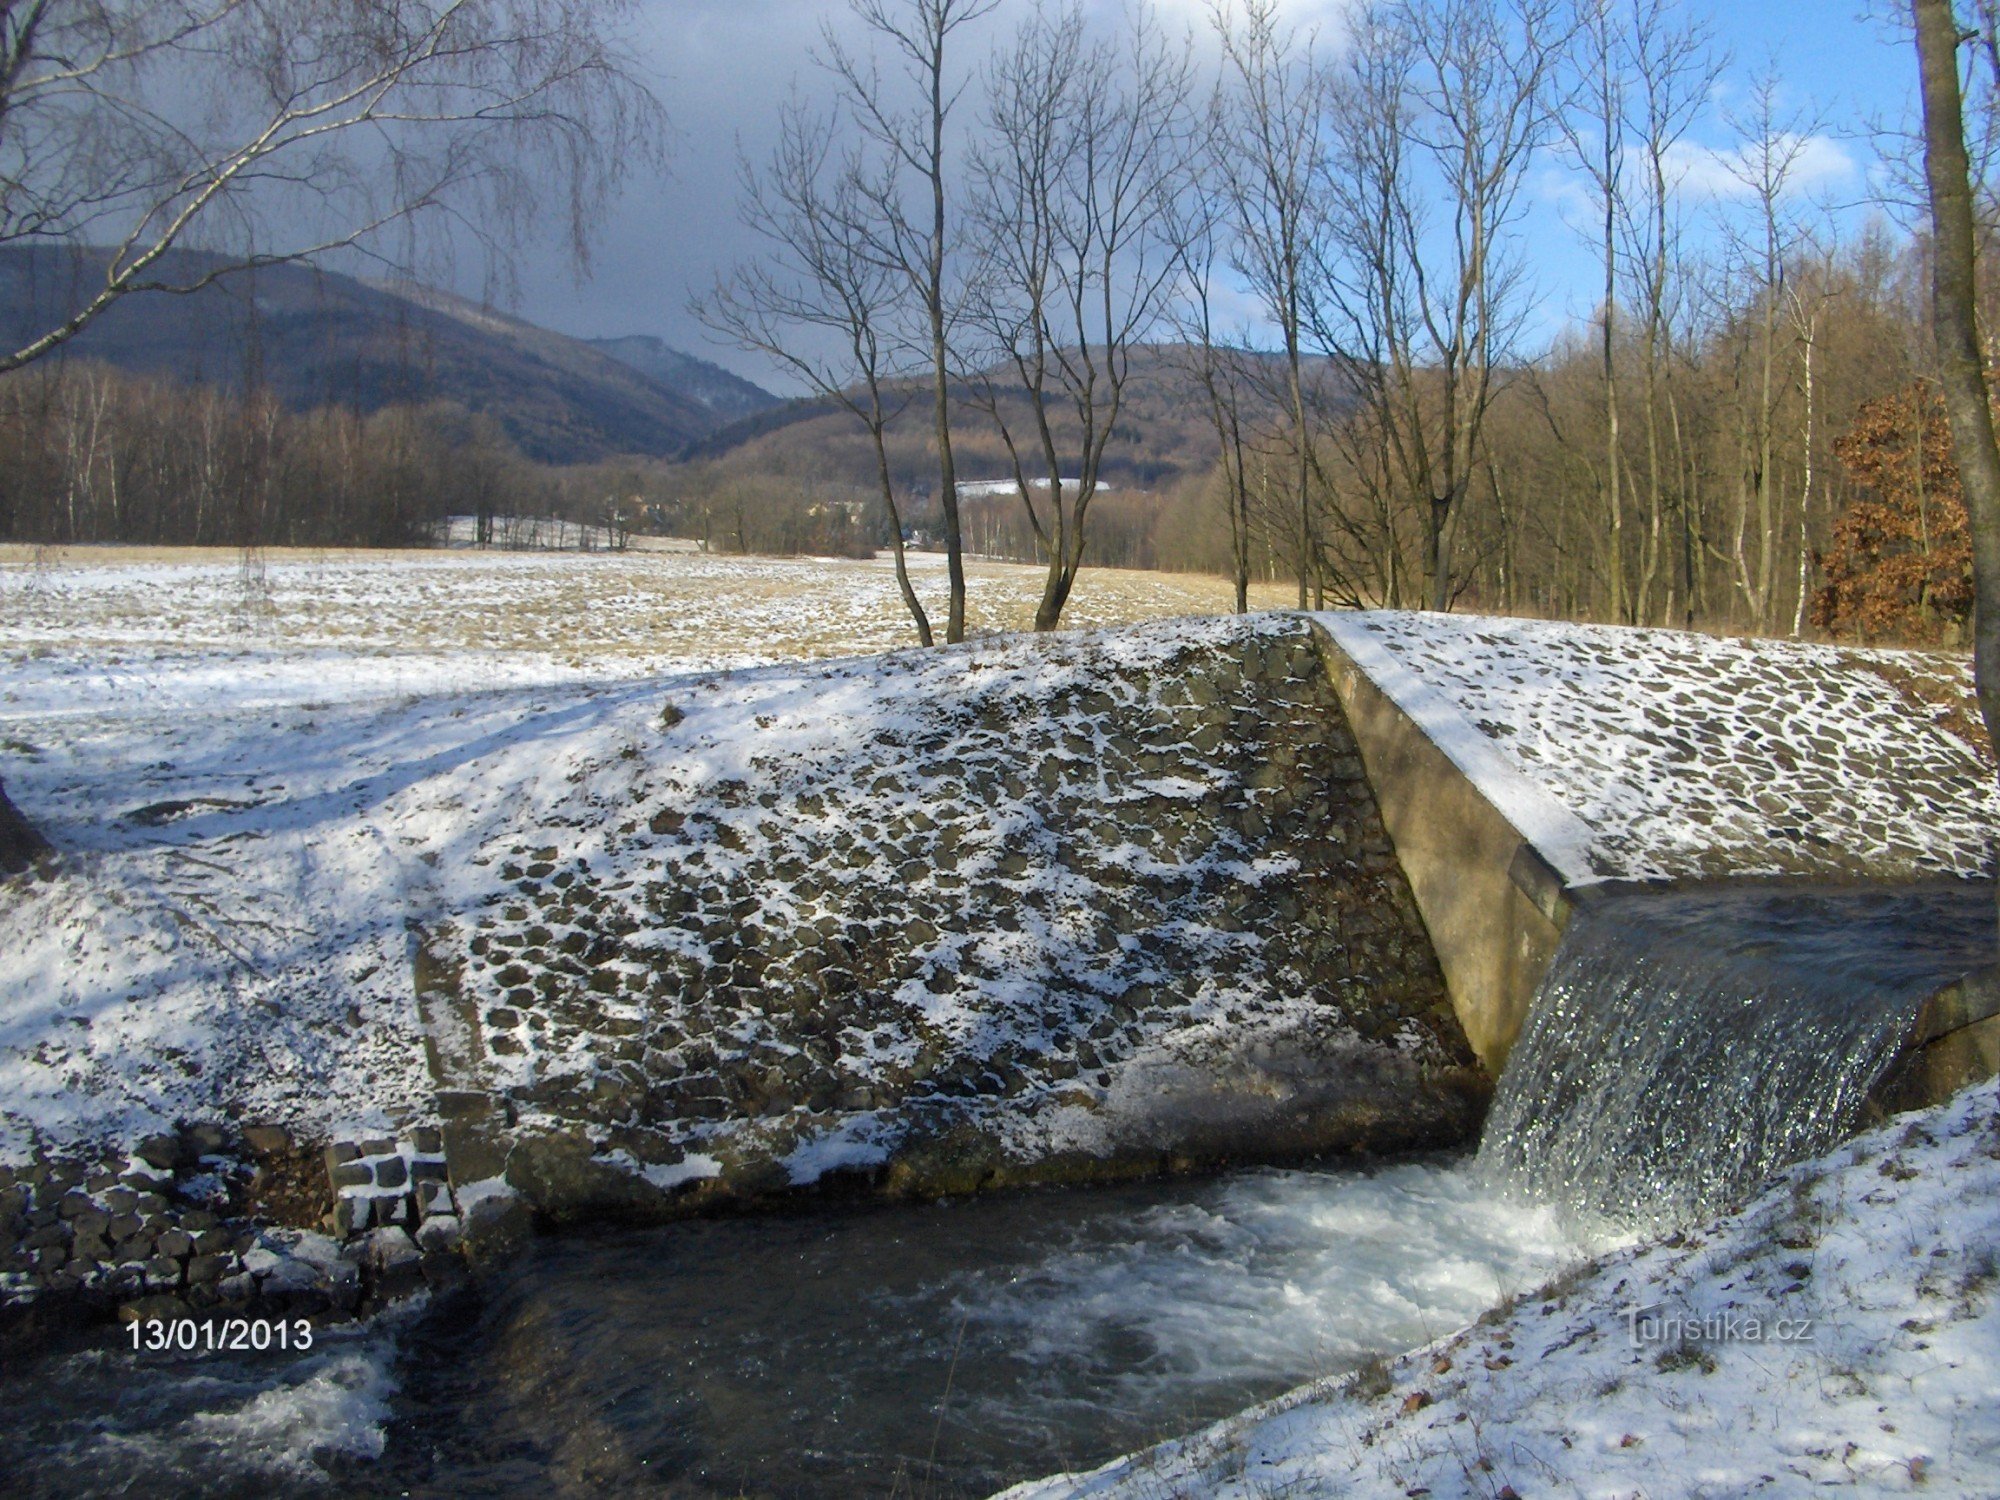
[1700,473]
[1372,217]
[89,454]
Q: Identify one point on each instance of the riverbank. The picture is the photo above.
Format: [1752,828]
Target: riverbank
[1838,1331]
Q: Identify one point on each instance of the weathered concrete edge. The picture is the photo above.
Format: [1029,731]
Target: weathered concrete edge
[1493,900]
[1954,1043]
[1559,836]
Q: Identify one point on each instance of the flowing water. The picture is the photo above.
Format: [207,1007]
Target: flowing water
[940,1350]
[1686,1045]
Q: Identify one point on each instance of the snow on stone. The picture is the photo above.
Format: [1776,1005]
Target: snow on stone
[263,772]
[1061,891]
[1628,754]
[1664,1369]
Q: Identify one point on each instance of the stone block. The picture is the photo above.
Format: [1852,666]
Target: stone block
[340,1152]
[351,1216]
[433,1198]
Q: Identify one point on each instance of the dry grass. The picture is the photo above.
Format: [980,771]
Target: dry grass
[656,605]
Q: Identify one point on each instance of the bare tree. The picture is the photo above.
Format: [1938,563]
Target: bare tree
[1954,312]
[914,232]
[1441,108]
[1808,292]
[1195,234]
[1075,176]
[1274,157]
[821,287]
[265,131]
[274,130]
[1674,70]
[1594,130]
[1768,167]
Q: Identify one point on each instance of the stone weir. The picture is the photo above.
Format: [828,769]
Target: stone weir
[1525,769]
[1038,910]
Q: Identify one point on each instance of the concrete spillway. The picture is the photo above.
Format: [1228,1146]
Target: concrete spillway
[1527,772]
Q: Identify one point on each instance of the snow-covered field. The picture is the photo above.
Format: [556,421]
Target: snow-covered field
[261,773]
[1840,1332]
[111,630]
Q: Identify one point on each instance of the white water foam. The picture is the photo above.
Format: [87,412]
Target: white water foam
[109,1421]
[1267,1277]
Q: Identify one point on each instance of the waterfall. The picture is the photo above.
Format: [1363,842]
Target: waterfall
[1687,1044]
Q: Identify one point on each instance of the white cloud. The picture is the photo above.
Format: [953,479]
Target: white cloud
[1795,164]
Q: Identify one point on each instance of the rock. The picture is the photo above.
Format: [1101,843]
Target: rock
[162,1273]
[340,1153]
[394,1262]
[175,1242]
[209,1268]
[439,1233]
[351,1174]
[90,1247]
[266,1141]
[494,1218]
[388,1248]
[165,1152]
[240,1287]
[391,1172]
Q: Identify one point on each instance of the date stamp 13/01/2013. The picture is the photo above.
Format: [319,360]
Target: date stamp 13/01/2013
[220,1335]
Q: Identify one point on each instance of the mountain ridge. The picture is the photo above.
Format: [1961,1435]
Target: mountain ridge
[317,337]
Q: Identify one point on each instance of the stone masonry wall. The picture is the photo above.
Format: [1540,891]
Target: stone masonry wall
[1047,910]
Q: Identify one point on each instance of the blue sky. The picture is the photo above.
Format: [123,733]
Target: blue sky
[724,66]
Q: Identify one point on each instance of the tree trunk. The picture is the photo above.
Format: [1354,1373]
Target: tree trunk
[1961,368]
[20,845]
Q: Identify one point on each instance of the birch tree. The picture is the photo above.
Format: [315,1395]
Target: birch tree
[277,130]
